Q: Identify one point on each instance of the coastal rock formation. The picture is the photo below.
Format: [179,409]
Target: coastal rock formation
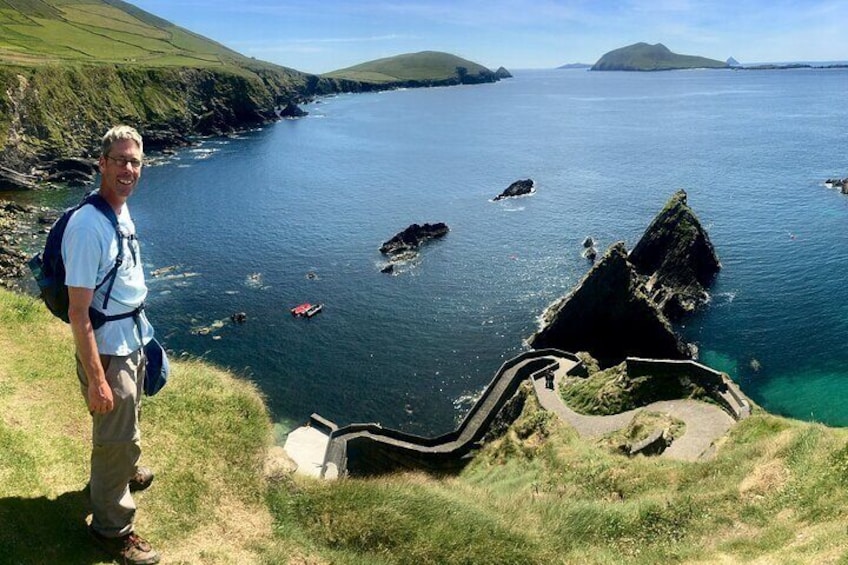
[292,110]
[16,222]
[72,171]
[677,257]
[518,188]
[502,73]
[412,237]
[609,316]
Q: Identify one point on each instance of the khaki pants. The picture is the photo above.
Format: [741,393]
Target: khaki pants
[116,446]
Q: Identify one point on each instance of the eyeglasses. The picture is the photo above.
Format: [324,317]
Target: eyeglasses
[122,162]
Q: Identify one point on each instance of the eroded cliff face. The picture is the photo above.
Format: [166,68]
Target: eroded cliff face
[52,112]
[610,316]
[677,258]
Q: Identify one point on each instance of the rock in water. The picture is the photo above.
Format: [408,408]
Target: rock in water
[677,257]
[609,316]
[412,237]
[518,188]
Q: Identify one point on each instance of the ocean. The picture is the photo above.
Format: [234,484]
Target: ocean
[295,212]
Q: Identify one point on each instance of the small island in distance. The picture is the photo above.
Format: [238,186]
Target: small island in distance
[644,57]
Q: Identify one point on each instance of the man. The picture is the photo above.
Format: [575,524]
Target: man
[110,358]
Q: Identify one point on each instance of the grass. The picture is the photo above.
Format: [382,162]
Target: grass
[775,493]
[613,391]
[96,32]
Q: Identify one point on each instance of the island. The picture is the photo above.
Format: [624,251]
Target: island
[658,57]
[516,189]
[425,68]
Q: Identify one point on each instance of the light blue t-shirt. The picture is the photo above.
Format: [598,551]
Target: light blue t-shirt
[89,250]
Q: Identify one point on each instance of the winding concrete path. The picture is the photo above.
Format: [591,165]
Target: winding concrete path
[705,422]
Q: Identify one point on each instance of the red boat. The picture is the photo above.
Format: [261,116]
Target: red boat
[301,309]
[306,310]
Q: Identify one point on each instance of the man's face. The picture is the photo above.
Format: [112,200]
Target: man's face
[120,169]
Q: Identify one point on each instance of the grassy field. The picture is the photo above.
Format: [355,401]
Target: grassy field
[94,31]
[776,492]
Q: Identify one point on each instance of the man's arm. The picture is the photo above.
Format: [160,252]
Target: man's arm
[99,393]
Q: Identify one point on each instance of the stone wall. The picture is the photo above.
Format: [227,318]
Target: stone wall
[720,387]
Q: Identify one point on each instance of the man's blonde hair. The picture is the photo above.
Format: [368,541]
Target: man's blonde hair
[118,133]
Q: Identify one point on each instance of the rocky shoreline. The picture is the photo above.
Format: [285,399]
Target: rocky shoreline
[19,224]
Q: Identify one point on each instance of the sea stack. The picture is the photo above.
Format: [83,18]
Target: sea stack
[623,305]
[609,316]
[677,258]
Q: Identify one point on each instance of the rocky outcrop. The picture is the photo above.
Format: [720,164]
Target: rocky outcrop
[13,180]
[412,237]
[610,316]
[292,110]
[17,223]
[518,188]
[72,171]
[677,258]
[502,73]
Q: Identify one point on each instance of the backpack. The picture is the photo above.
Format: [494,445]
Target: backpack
[48,267]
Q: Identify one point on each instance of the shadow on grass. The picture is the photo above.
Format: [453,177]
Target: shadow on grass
[41,530]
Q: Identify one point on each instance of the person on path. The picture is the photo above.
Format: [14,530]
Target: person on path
[109,355]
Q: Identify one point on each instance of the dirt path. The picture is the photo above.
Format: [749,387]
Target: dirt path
[705,423]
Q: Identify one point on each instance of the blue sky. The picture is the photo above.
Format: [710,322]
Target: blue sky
[319,36]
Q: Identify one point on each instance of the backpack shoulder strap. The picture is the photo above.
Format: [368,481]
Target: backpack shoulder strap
[105,208]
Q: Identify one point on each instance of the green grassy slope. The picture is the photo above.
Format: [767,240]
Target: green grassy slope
[775,493]
[422,67]
[644,57]
[102,31]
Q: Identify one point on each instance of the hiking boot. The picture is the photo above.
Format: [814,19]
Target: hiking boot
[142,479]
[130,549]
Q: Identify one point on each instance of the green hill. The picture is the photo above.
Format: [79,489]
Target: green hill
[426,68]
[103,31]
[644,57]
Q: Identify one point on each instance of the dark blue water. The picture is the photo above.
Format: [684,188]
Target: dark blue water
[245,220]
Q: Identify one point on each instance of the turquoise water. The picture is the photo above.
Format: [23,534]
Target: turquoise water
[246,219]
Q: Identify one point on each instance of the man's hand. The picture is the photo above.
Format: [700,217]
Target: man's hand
[100,397]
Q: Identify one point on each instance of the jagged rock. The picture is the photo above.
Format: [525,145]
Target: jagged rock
[518,188]
[677,257]
[591,254]
[588,242]
[71,178]
[610,317]
[85,166]
[502,73]
[412,237]
[238,317]
[292,110]
[13,180]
